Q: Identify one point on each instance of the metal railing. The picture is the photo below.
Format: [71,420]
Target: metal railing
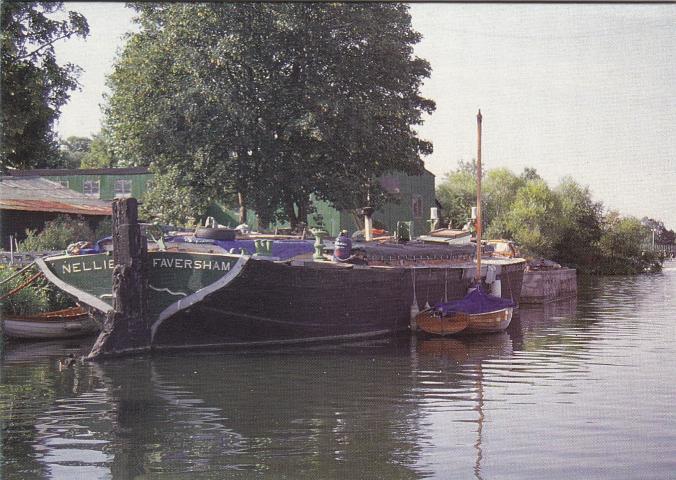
[19,259]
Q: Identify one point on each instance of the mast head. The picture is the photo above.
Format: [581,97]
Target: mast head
[478,116]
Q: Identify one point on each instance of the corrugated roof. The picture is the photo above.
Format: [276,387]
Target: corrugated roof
[41,195]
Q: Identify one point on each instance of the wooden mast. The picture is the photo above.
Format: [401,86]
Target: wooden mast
[477,275]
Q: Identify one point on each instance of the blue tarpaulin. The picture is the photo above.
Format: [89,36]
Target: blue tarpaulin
[476,301]
[281,249]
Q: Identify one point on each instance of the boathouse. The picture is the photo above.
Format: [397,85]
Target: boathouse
[29,202]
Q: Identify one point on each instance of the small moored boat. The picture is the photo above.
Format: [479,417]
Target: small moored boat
[478,312]
[66,323]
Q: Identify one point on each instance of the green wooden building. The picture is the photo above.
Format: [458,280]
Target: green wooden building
[415,197]
[98,183]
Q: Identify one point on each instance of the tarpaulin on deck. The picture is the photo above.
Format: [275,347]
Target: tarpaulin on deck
[476,301]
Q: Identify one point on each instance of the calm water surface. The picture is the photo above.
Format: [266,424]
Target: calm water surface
[576,389]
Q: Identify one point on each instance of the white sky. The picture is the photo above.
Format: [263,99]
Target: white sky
[581,90]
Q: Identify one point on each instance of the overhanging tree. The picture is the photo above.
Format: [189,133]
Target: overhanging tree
[272,102]
[34,86]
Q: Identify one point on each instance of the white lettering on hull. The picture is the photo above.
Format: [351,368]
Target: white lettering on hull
[178,263]
[190,264]
[87,265]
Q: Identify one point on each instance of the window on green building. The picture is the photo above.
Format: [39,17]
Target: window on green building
[92,188]
[122,188]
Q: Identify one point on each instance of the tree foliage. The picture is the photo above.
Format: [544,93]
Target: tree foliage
[580,225]
[457,194]
[621,246]
[86,152]
[61,232]
[534,218]
[662,234]
[271,101]
[564,224]
[73,150]
[169,202]
[33,85]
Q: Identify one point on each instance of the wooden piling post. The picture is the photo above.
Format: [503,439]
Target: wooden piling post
[127,327]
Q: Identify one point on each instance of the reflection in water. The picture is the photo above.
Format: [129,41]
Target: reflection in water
[549,397]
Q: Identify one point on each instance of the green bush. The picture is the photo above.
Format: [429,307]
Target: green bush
[57,235]
[104,229]
[39,296]
[28,301]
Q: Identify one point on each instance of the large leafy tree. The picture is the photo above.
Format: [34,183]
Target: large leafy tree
[86,152]
[457,195]
[271,102]
[533,220]
[73,151]
[34,86]
[580,226]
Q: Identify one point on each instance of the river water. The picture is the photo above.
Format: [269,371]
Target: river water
[574,389]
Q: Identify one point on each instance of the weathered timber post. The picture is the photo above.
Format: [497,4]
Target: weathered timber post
[127,327]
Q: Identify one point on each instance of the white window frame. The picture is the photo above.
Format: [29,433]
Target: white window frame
[124,193]
[91,183]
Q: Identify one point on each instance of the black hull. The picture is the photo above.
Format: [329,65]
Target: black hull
[271,303]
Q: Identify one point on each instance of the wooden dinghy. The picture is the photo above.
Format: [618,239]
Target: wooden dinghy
[478,312]
[66,323]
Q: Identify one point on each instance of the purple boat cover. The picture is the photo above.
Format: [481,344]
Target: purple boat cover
[476,301]
[281,249]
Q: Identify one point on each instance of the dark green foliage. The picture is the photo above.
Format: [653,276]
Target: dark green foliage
[170,202]
[580,226]
[27,301]
[33,85]
[662,235]
[457,195]
[563,224]
[100,153]
[57,235]
[85,152]
[40,296]
[103,229]
[273,102]
[621,247]
[73,150]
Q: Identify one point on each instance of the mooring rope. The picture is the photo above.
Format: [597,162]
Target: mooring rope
[22,286]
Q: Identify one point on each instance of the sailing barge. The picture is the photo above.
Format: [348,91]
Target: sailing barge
[199,299]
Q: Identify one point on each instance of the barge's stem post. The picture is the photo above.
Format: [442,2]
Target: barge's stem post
[126,328]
